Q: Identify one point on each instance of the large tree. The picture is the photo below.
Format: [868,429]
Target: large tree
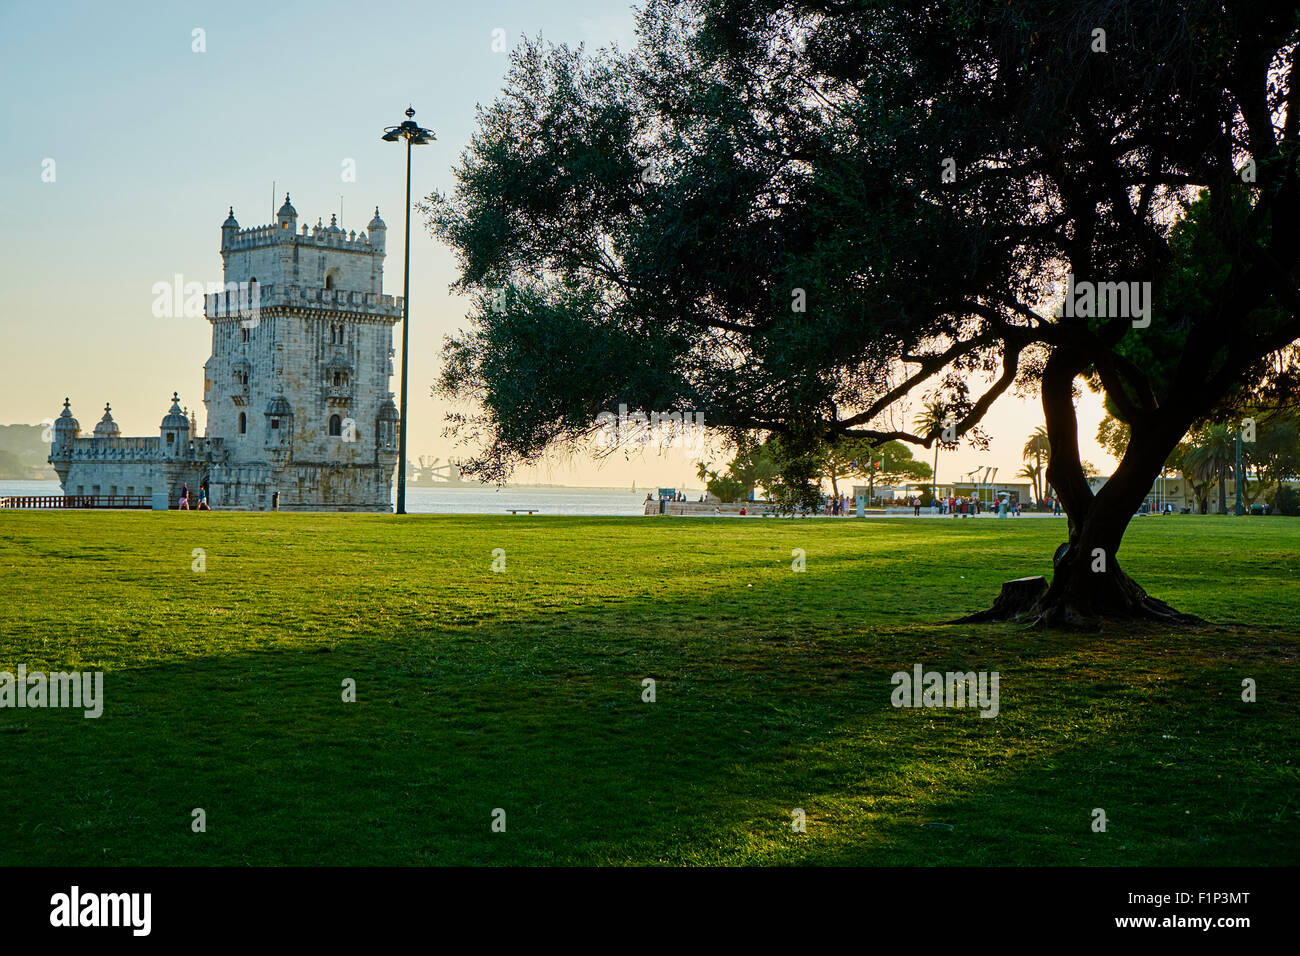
[794,216]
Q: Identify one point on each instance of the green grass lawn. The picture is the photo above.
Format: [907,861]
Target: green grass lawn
[522,690]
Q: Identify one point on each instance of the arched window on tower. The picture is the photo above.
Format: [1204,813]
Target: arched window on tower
[243,423]
[329,281]
[336,425]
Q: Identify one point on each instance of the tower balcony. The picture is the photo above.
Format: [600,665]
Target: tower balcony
[338,394]
[236,303]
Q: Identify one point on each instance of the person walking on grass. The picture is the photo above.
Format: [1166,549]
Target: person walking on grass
[184,504]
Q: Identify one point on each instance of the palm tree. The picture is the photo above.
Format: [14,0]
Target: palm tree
[1039,448]
[1212,458]
[931,422]
[1032,472]
[1198,470]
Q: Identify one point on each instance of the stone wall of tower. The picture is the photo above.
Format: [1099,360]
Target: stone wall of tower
[313,348]
[115,478]
[239,348]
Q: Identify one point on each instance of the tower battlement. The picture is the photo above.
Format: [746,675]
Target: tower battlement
[81,450]
[324,257]
[325,237]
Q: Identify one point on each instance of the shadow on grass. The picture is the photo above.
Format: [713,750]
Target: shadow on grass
[543,717]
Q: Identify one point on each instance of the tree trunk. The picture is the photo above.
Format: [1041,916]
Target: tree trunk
[1088,585]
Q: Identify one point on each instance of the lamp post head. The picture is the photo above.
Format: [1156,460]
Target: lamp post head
[410,131]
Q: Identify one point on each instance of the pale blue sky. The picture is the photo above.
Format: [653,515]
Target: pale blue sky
[152,142]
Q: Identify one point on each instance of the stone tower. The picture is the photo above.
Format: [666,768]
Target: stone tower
[297,385]
[299,411]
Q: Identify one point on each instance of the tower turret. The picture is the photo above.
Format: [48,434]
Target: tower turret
[107,428]
[66,431]
[287,217]
[175,430]
[229,229]
[386,426]
[377,231]
[66,428]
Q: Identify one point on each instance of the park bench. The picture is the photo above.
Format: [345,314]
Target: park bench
[515,511]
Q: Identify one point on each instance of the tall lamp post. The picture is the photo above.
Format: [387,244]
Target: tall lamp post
[1241,510]
[414,136]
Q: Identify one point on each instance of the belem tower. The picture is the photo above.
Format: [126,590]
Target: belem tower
[299,412]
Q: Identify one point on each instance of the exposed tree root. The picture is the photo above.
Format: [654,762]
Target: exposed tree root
[1082,600]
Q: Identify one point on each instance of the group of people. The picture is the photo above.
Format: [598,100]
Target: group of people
[957,507]
[184,504]
[971,506]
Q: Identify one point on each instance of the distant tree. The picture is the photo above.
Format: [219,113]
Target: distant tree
[1033,473]
[1286,501]
[1270,447]
[891,461]
[1212,457]
[753,465]
[1113,435]
[896,463]
[844,459]
[1038,449]
[931,422]
[727,489]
